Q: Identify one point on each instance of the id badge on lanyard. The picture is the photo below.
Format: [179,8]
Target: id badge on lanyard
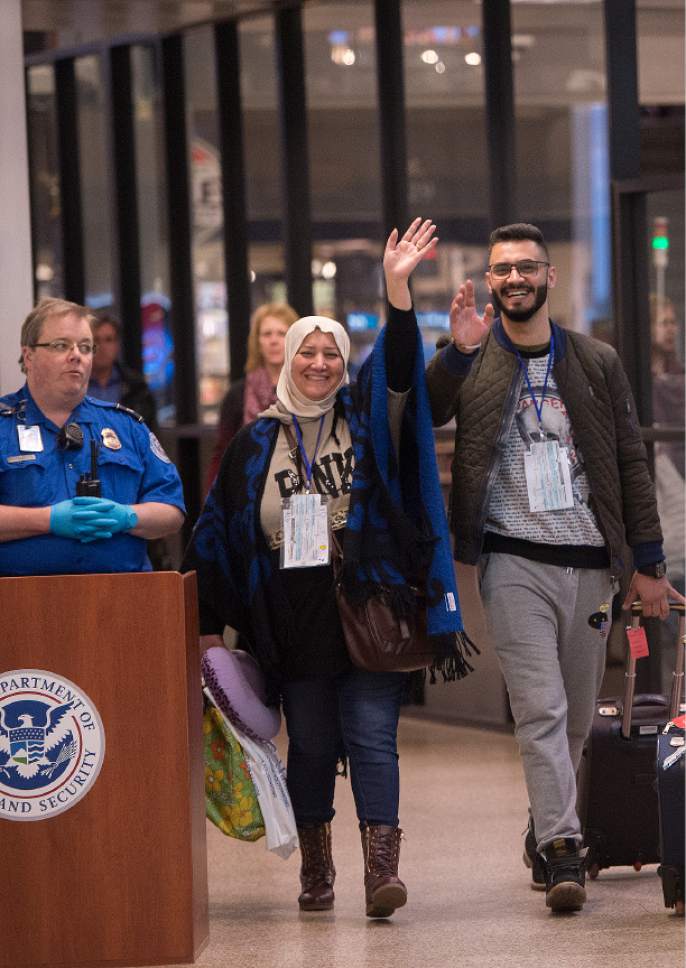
[546,465]
[305,524]
[305,519]
[548,481]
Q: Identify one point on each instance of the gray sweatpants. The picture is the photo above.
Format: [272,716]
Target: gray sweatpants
[553,663]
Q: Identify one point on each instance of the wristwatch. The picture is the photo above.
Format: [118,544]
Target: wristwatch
[657,570]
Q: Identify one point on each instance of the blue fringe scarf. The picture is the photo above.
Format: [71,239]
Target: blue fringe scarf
[397,532]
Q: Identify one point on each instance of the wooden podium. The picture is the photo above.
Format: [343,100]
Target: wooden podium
[120,877]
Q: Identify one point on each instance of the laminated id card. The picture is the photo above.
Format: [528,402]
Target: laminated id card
[29,438]
[305,526]
[548,480]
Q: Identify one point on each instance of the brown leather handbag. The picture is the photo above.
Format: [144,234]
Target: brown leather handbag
[376,639]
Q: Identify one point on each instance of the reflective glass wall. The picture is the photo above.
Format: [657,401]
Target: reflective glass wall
[153,229]
[262,141]
[562,153]
[95,171]
[46,212]
[447,157]
[211,323]
[345,166]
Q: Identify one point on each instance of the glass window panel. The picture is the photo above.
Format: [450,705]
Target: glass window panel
[345,167]
[158,340]
[665,253]
[262,143]
[96,185]
[447,158]
[212,344]
[660,26]
[45,183]
[562,152]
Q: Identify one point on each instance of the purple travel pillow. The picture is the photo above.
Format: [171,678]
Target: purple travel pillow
[236,684]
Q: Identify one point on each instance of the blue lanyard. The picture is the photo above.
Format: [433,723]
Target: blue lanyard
[301,447]
[525,370]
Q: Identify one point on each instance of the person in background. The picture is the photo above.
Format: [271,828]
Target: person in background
[257,390]
[114,381]
[357,460]
[667,374]
[664,333]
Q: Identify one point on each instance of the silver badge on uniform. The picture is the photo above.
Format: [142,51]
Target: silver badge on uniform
[157,448]
[110,439]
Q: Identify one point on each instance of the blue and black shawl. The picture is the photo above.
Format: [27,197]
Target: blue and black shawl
[396,535]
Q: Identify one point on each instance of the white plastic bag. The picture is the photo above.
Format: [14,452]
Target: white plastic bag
[269,777]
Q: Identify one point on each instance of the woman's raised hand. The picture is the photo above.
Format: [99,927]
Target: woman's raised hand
[467,328]
[401,256]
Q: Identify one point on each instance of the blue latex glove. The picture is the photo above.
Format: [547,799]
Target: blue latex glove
[91,518]
[114,517]
[71,520]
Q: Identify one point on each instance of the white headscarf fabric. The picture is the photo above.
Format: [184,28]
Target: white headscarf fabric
[287,395]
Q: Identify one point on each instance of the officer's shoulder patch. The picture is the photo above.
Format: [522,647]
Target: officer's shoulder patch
[157,449]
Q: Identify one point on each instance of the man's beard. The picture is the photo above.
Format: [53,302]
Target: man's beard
[522,315]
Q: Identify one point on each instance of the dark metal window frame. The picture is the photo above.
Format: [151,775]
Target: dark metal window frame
[297,216]
[68,154]
[126,255]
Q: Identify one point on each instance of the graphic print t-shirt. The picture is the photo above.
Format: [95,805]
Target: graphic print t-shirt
[508,509]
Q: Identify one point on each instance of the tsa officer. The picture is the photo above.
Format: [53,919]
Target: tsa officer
[84,483]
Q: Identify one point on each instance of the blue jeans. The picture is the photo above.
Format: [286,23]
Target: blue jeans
[356,714]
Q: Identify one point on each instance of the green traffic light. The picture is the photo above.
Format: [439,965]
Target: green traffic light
[660,242]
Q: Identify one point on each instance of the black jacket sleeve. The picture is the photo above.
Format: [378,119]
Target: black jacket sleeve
[401,347]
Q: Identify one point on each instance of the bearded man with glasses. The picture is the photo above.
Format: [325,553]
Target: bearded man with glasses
[83,482]
[550,483]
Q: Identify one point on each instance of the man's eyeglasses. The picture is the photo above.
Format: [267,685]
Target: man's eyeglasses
[526,267]
[84,347]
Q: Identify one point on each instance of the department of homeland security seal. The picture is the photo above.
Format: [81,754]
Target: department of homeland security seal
[52,744]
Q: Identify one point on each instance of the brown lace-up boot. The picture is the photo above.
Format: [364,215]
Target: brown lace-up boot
[317,872]
[384,891]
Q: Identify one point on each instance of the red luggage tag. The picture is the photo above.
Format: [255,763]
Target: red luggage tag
[638,643]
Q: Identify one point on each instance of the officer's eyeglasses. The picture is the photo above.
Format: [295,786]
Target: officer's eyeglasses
[58,346]
[526,267]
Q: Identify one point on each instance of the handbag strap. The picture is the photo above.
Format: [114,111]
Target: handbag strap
[294,452]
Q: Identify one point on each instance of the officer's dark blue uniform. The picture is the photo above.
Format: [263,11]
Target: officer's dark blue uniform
[136,472]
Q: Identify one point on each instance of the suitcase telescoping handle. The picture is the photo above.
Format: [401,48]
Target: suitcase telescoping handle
[677,675]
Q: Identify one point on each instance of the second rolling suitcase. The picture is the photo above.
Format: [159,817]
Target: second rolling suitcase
[671,762]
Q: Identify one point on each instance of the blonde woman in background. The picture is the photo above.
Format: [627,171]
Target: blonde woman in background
[257,390]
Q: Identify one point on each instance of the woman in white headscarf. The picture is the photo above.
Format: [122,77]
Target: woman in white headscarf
[306,464]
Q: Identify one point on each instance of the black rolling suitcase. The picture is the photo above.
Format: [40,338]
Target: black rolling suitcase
[617,795]
[671,760]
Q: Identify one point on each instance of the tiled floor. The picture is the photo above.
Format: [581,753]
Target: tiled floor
[463,808]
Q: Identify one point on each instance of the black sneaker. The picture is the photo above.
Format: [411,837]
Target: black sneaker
[565,869]
[533,859]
